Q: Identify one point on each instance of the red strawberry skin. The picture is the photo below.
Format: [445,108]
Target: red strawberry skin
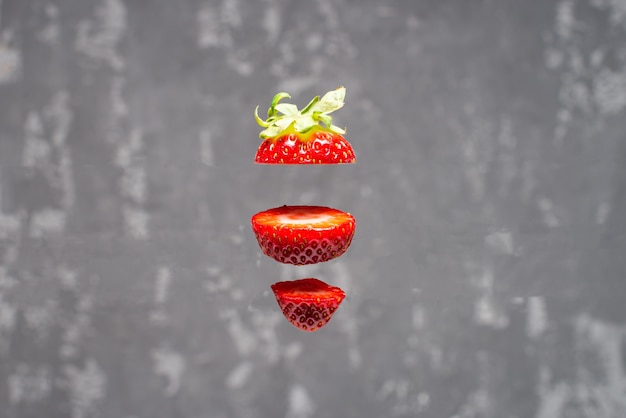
[303,234]
[308,304]
[319,147]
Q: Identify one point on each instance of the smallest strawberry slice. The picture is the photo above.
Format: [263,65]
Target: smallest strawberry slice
[308,303]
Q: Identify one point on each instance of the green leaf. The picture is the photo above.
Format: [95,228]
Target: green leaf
[258,119]
[287,109]
[284,122]
[282,117]
[270,132]
[308,107]
[304,123]
[325,119]
[331,101]
[337,129]
[280,96]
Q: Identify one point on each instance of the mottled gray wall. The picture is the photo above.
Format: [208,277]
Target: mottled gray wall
[487,277]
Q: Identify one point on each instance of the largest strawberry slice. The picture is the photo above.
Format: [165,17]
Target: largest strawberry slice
[306,136]
[303,234]
[308,303]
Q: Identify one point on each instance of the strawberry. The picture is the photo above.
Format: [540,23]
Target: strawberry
[308,303]
[306,136]
[303,234]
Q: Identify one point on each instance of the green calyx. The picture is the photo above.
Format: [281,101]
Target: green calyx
[282,117]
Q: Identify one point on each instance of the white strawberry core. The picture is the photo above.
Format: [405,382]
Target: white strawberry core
[304,219]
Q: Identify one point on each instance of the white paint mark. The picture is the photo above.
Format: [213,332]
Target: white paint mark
[565,20]
[500,241]
[477,148]
[245,341]
[418,317]
[66,178]
[553,401]
[223,284]
[265,323]
[537,318]
[602,213]
[601,385]
[87,386]
[36,152]
[366,191]
[553,58]
[486,312]
[423,399]
[348,322]
[529,181]
[9,225]
[300,403]
[238,62]
[596,59]
[293,350]
[98,40]
[163,281]
[617,10]
[50,33]
[29,384]
[387,388]
[10,60]
[119,107]
[6,281]
[61,115]
[67,278]
[40,318]
[170,365]
[8,317]
[238,377]
[574,94]
[136,223]
[298,84]
[133,185]
[385,11]
[609,91]
[308,197]
[76,328]
[229,13]
[209,29]
[547,210]
[206,148]
[47,222]
[272,21]
[133,182]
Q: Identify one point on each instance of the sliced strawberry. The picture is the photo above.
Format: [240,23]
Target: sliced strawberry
[306,136]
[308,303]
[303,234]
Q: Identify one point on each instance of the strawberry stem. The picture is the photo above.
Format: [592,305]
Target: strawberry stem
[284,116]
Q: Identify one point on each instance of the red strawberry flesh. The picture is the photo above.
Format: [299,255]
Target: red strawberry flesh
[303,234]
[308,304]
[319,147]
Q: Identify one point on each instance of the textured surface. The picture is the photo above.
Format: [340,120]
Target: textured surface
[487,275]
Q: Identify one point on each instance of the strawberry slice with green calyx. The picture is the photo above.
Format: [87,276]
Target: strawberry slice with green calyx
[303,234]
[306,136]
[308,303]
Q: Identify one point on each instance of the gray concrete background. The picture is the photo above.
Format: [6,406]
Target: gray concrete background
[487,276]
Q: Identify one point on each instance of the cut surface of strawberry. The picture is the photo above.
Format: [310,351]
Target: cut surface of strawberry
[308,304]
[303,234]
[306,136]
